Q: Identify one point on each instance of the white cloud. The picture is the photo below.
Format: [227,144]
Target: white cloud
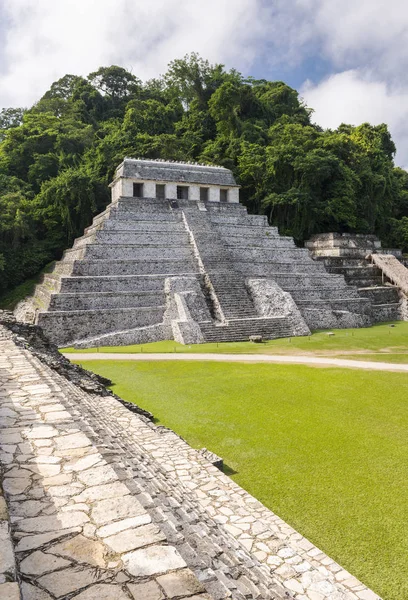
[364,41]
[47,39]
[350,33]
[373,33]
[355,97]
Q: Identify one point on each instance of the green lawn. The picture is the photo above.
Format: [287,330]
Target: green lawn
[389,341]
[326,449]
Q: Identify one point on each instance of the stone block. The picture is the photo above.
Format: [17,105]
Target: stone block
[10,591]
[153,560]
[180,584]
[145,591]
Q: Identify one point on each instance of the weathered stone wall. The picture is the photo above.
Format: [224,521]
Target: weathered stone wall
[346,244]
[171,175]
[271,301]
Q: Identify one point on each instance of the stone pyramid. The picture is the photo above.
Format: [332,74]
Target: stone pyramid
[176,256]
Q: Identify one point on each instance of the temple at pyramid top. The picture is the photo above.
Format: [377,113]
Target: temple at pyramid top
[139,178]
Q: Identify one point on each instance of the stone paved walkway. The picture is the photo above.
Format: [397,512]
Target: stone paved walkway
[248,358]
[104,504]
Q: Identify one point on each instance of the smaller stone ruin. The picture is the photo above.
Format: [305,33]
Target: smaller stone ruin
[379,274]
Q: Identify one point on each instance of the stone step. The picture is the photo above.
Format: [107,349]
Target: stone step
[63,267]
[99,219]
[106,300]
[322,293]
[113,283]
[339,261]
[254,220]
[353,305]
[241,330]
[263,243]
[132,252]
[158,217]
[271,254]
[52,281]
[227,229]
[134,267]
[42,297]
[139,238]
[380,295]
[144,226]
[300,280]
[230,208]
[364,282]
[383,313]
[265,268]
[139,205]
[325,316]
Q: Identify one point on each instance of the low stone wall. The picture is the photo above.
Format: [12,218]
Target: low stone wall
[343,244]
[91,268]
[101,300]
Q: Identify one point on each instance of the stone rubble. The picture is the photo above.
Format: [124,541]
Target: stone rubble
[104,504]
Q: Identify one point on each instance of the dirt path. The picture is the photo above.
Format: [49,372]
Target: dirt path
[248,358]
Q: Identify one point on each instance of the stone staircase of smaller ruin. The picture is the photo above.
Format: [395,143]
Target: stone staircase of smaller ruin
[367,279]
[240,330]
[393,269]
[348,255]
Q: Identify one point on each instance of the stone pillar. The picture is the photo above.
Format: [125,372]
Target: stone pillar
[149,189]
[194,192]
[214,194]
[116,189]
[233,195]
[127,187]
[171,191]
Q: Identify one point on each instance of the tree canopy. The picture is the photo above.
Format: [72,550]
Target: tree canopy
[57,157]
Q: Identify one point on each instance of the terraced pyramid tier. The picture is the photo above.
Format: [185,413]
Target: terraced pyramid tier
[149,269]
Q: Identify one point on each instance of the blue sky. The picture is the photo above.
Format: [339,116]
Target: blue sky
[347,58]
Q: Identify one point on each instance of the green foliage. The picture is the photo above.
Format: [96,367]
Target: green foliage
[10,117]
[57,157]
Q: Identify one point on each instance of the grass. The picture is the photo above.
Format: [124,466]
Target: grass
[327,450]
[10,299]
[391,342]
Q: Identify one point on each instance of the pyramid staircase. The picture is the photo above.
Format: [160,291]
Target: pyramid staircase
[239,319]
[257,250]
